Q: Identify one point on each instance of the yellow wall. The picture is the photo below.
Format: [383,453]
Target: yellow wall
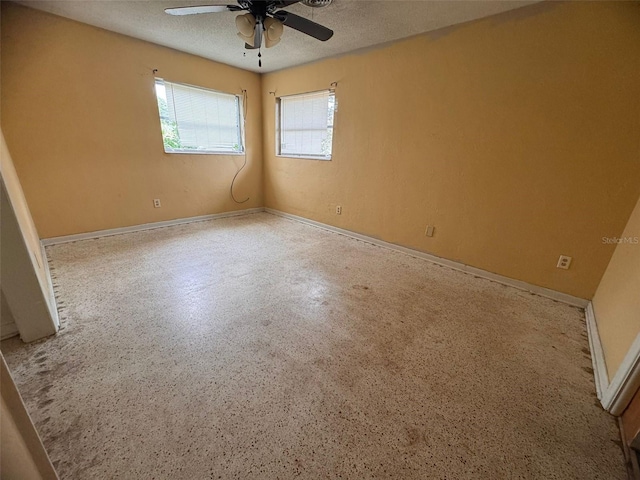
[17,461]
[21,210]
[22,455]
[32,292]
[616,303]
[80,117]
[516,136]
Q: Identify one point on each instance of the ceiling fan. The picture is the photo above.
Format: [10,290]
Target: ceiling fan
[263,20]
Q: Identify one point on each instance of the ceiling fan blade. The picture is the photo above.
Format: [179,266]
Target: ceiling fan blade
[303,25]
[198,9]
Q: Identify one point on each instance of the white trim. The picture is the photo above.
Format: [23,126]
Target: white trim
[625,382]
[544,292]
[203,152]
[305,157]
[616,394]
[315,93]
[597,354]
[52,296]
[145,226]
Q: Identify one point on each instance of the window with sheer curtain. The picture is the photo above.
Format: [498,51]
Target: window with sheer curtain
[306,125]
[197,120]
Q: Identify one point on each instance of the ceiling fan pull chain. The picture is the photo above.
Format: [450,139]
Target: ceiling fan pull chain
[259,58]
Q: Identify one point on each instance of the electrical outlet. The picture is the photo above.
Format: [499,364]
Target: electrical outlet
[563,262]
[156,203]
[429,231]
[338,210]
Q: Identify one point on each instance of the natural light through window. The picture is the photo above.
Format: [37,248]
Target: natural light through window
[197,120]
[306,125]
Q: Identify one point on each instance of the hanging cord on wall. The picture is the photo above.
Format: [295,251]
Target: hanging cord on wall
[244,127]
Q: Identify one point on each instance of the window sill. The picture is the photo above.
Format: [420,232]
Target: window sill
[200,152]
[305,157]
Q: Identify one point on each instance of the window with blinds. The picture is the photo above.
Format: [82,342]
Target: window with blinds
[306,125]
[196,120]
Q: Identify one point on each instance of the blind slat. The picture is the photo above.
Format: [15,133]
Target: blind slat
[199,119]
[306,124]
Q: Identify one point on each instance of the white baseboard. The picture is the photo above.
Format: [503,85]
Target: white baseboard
[625,382]
[53,306]
[597,354]
[145,226]
[616,394]
[544,292]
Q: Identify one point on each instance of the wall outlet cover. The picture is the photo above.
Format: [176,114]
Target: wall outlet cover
[564,262]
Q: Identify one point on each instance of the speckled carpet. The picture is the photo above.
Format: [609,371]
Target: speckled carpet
[257,347]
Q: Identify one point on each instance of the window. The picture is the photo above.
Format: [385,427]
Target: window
[306,125]
[196,120]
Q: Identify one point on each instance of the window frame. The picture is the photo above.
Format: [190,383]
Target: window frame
[186,151]
[279,129]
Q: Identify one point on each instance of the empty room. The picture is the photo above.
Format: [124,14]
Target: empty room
[320,239]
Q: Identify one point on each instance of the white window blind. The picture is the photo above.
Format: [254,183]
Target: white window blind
[306,124]
[196,120]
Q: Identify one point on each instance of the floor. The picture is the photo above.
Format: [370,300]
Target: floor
[258,347]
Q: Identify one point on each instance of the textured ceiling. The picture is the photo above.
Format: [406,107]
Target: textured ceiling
[357,24]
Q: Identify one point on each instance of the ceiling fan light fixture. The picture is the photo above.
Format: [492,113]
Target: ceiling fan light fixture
[273,29]
[264,19]
[317,3]
[246,25]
